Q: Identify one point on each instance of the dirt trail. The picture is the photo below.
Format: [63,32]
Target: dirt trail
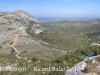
[15,41]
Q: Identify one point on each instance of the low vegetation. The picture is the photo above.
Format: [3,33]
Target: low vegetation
[72,39]
[10,29]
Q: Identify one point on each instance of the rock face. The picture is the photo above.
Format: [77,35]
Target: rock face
[25,16]
[20,20]
[79,68]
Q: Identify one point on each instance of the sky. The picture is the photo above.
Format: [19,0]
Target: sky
[53,8]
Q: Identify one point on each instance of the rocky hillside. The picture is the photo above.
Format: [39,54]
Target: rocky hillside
[25,27]
[19,20]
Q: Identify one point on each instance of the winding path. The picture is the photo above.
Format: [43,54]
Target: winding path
[15,41]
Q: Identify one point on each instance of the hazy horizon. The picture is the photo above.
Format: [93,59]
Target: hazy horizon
[54,8]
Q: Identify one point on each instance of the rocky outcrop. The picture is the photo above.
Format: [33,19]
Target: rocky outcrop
[79,68]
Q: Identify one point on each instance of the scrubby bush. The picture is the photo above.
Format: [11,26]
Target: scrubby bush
[34,59]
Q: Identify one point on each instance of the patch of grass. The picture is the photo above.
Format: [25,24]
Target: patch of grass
[1,47]
[81,41]
[5,42]
[86,70]
[10,29]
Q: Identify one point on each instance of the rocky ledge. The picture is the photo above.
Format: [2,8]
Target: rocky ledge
[89,66]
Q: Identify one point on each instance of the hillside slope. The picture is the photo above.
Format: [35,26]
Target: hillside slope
[27,27]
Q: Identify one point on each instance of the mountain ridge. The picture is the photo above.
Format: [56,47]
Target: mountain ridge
[27,27]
